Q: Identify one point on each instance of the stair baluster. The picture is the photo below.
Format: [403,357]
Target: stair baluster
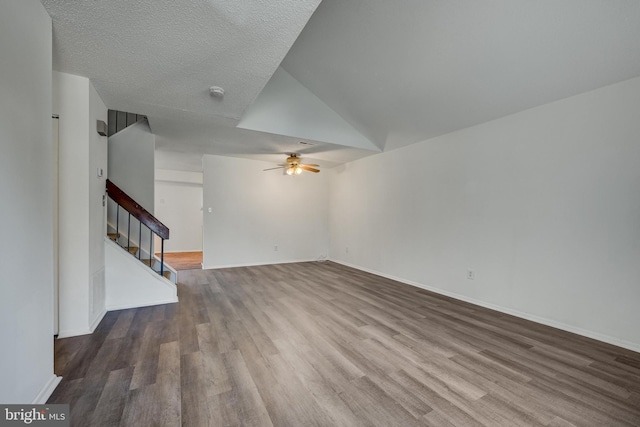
[129,234]
[162,257]
[139,239]
[117,222]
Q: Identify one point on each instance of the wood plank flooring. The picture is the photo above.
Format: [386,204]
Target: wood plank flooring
[320,344]
[183,260]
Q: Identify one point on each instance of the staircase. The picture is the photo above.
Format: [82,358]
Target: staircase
[134,229]
[133,250]
[129,225]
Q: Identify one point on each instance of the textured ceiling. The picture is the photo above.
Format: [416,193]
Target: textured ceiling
[159,57]
[402,72]
[379,74]
[156,57]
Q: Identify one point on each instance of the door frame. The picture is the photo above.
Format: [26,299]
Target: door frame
[55,128]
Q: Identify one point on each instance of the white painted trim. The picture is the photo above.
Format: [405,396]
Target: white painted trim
[73,333]
[125,307]
[76,332]
[97,320]
[527,316]
[47,390]
[215,267]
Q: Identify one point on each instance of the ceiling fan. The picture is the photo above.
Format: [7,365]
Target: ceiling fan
[294,167]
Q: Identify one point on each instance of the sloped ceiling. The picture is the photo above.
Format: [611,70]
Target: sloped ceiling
[285,107]
[403,72]
[367,75]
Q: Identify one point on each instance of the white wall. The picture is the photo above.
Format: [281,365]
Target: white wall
[543,205]
[131,163]
[129,283]
[173,160]
[81,214]
[26,254]
[131,167]
[179,207]
[98,159]
[252,210]
[70,102]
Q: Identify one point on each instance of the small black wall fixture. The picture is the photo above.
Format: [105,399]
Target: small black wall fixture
[101,127]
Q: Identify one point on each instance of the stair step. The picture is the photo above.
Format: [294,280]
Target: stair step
[149,262]
[116,236]
[167,274]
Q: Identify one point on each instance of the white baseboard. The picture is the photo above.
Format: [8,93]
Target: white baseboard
[134,305]
[527,316]
[47,390]
[215,267]
[97,320]
[67,333]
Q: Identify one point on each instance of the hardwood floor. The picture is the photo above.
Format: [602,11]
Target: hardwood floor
[322,344]
[183,260]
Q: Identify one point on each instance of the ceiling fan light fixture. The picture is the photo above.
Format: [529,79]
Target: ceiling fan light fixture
[293,166]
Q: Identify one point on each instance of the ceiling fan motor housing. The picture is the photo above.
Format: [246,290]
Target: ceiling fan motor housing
[293,159]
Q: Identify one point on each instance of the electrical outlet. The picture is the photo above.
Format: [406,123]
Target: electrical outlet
[471,275]
[346,250]
[275,248]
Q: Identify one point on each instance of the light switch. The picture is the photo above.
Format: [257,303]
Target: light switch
[209,210]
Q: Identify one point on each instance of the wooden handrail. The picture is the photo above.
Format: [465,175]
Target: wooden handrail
[131,206]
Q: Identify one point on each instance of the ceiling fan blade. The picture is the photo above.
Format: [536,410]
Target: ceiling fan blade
[311,164]
[270,169]
[309,168]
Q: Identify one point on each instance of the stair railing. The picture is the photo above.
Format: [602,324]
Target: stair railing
[123,200]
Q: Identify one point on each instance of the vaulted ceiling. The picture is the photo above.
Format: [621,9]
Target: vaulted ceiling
[351,77]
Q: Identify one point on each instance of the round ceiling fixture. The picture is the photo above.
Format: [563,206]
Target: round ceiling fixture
[216,91]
